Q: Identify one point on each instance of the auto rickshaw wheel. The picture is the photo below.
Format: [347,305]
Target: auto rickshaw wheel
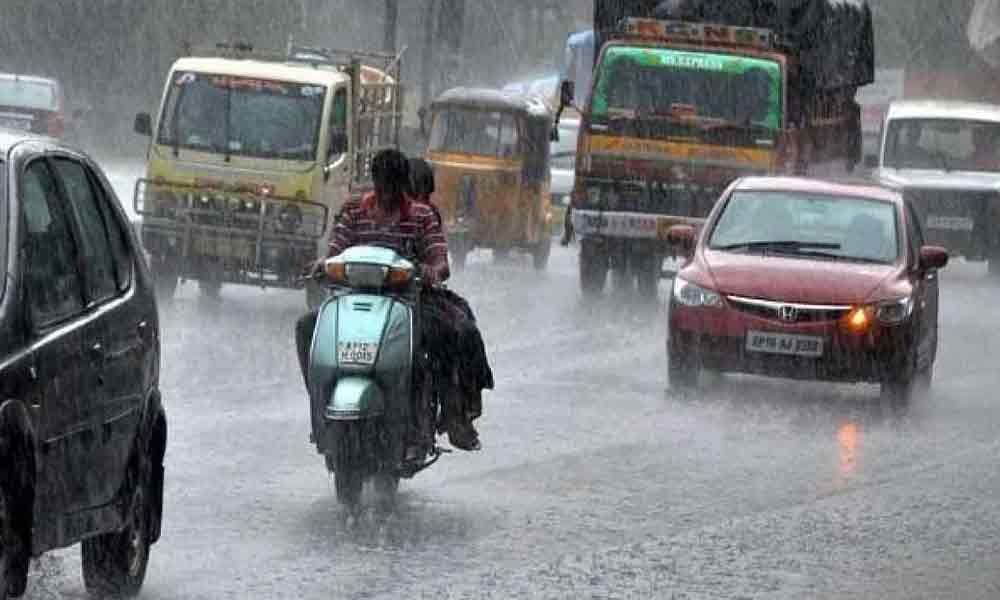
[593,267]
[541,253]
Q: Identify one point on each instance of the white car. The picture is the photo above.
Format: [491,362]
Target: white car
[945,156]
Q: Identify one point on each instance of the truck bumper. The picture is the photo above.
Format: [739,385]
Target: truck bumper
[626,225]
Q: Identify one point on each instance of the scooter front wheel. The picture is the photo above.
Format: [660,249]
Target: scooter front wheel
[349,483]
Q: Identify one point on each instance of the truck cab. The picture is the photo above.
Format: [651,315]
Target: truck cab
[251,156]
[677,111]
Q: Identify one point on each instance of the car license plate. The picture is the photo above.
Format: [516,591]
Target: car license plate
[785,343]
[950,223]
[357,353]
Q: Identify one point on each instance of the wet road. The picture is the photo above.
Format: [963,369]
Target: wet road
[595,481]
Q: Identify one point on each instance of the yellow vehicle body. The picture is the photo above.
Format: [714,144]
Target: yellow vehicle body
[492,186]
[251,159]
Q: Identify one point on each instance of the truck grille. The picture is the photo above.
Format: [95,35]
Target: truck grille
[673,199]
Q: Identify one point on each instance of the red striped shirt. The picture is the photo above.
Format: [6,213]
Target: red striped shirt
[417,235]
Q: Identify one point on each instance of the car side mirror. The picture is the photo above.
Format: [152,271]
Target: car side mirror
[683,237]
[143,124]
[567,93]
[933,258]
[871,161]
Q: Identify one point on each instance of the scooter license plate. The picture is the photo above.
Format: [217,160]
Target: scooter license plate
[357,353]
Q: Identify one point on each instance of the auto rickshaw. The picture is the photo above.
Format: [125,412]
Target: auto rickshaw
[490,154]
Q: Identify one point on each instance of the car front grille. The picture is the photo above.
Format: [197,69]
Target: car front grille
[788,312]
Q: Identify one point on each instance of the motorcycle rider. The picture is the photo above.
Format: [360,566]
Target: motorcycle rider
[389,217]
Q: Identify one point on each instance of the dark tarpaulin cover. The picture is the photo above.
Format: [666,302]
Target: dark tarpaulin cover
[835,38]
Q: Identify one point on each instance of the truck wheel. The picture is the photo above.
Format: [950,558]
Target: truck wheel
[165,277]
[593,268]
[541,252]
[114,564]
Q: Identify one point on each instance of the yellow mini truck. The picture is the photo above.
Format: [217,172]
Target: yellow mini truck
[251,156]
[490,154]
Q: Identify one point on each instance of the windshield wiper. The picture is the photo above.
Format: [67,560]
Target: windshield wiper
[779,245]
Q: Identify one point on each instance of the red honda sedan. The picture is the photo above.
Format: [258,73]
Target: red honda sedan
[807,279]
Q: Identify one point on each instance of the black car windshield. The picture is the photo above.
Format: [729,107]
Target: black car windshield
[242,116]
[943,144]
[808,225]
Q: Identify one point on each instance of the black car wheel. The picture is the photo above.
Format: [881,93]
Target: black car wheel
[114,564]
[593,268]
[16,504]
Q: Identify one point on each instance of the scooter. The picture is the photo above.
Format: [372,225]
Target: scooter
[373,407]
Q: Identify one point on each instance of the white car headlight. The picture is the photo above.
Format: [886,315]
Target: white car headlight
[894,312]
[689,294]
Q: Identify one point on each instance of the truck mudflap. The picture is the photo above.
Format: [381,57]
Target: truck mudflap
[235,227]
[628,225]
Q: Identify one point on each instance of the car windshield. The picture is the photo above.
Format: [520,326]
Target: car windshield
[808,225]
[948,144]
[37,95]
[241,116]
[635,82]
[472,131]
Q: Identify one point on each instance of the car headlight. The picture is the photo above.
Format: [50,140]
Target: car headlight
[894,312]
[689,294]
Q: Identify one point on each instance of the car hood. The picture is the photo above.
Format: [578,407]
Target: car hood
[793,279]
[939,179]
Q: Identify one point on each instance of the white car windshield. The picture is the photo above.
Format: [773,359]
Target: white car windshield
[808,225]
[945,144]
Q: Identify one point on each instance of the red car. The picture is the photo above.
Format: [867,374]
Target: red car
[32,104]
[807,279]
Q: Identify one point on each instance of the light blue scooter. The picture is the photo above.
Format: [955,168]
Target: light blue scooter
[374,411]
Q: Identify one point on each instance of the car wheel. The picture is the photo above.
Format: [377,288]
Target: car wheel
[16,504]
[683,369]
[898,393]
[541,252]
[593,268]
[165,277]
[114,564]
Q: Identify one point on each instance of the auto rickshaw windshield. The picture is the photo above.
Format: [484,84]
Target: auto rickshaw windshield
[471,131]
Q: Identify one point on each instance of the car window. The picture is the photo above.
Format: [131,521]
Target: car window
[52,280]
[338,124]
[120,248]
[98,261]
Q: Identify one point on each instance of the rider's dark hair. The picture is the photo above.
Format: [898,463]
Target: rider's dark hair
[421,178]
[390,172]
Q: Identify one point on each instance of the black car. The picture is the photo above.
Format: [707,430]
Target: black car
[82,427]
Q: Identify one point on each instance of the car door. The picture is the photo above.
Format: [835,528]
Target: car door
[114,336]
[926,288]
[57,363]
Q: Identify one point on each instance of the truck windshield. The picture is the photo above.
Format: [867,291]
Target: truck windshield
[637,82]
[472,131]
[242,116]
[944,144]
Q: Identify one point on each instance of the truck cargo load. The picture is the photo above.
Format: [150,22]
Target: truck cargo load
[833,38]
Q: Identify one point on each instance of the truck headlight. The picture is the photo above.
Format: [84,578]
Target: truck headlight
[689,294]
